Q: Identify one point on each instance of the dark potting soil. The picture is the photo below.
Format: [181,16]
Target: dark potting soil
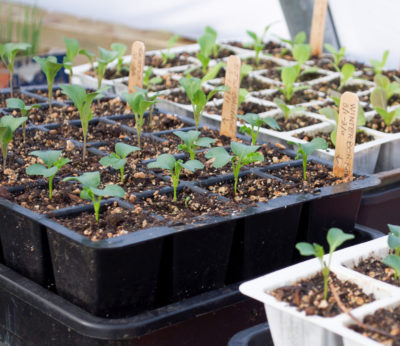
[111,73]
[275,74]
[375,268]
[307,295]
[361,137]
[394,100]
[65,194]
[198,73]
[272,48]
[28,100]
[181,97]
[180,59]
[254,84]
[301,96]
[262,63]
[245,107]
[57,94]
[317,175]
[222,53]
[161,122]
[334,85]
[386,320]
[167,83]
[295,122]
[377,123]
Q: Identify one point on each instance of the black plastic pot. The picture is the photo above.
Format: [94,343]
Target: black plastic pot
[258,335]
[42,318]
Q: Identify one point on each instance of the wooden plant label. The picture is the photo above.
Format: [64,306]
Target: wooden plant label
[231,97]
[346,135]
[136,67]
[318,26]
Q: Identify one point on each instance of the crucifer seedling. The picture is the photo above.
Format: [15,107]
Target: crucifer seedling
[50,67]
[300,38]
[245,69]
[53,162]
[72,50]
[8,125]
[118,159]
[197,96]
[83,102]
[168,55]
[168,162]
[306,149]
[378,99]
[255,122]
[258,42]
[391,88]
[120,48]
[106,57]
[393,260]
[90,182]
[242,155]
[346,73]
[335,238]
[8,52]
[288,77]
[378,65]
[337,55]
[138,103]
[207,43]
[15,103]
[288,111]
[191,142]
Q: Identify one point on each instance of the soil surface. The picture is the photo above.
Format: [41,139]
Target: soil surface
[378,124]
[167,83]
[181,97]
[301,96]
[295,122]
[57,94]
[262,63]
[361,137]
[180,59]
[334,85]
[245,107]
[387,320]
[28,100]
[375,268]
[307,295]
[275,74]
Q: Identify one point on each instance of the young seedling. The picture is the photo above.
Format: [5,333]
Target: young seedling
[168,55]
[8,52]
[120,48]
[393,260]
[288,111]
[335,238]
[168,162]
[244,71]
[391,88]
[207,43]
[378,65]
[333,114]
[241,155]
[52,164]
[8,125]
[213,72]
[106,57]
[138,104]
[89,54]
[300,38]
[90,182]
[83,102]
[153,100]
[258,42]
[15,103]
[301,53]
[147,81]
[306,149]
[50,67]
[337,55]
[378,99]
[255,122]
[197,96]
[347,72]
[118,159]
[72,50]
[243,94]
[191,142]
[288,76]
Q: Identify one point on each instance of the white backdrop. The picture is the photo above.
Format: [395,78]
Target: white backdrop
[365,27]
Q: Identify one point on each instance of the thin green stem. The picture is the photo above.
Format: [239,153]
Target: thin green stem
[50,95]
[122,174]
[304,167]
[96,205]
[151,117]
[51,187]
[84,147]
[236,170]
[11,82]
[325,274]
[4,159]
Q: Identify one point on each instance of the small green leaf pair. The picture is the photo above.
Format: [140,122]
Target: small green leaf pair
[168,162]
[52,163]
[15,103]
[208,46]
[287,110]
[168,55]
[255,122]
[379,99]
[90,182]
[242,155]
[258,42]
[335,238]
[306,149]
[191,142]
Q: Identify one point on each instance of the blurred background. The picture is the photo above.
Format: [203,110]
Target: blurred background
[365,27]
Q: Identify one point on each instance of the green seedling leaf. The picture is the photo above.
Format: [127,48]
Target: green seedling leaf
[258,41]
[337,237]
[301,52]
[306,249]
[123,149]
[50,68]
[220,155]
[120,48]
[213,72]
[72,50]
[337,55]
[395,230]
[192,165]
[393,261]
[330,113]
[89,54]
[191,141]
[378,98]
[52,163]
[378,65]
[106,57]
[347,72]
[255,122]
[393,241]
[243,94]
[164,161]
[288,76]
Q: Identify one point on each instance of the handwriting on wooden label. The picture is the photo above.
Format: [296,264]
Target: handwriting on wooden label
[318,26]
[346,135]
[136,67]
[231,97]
